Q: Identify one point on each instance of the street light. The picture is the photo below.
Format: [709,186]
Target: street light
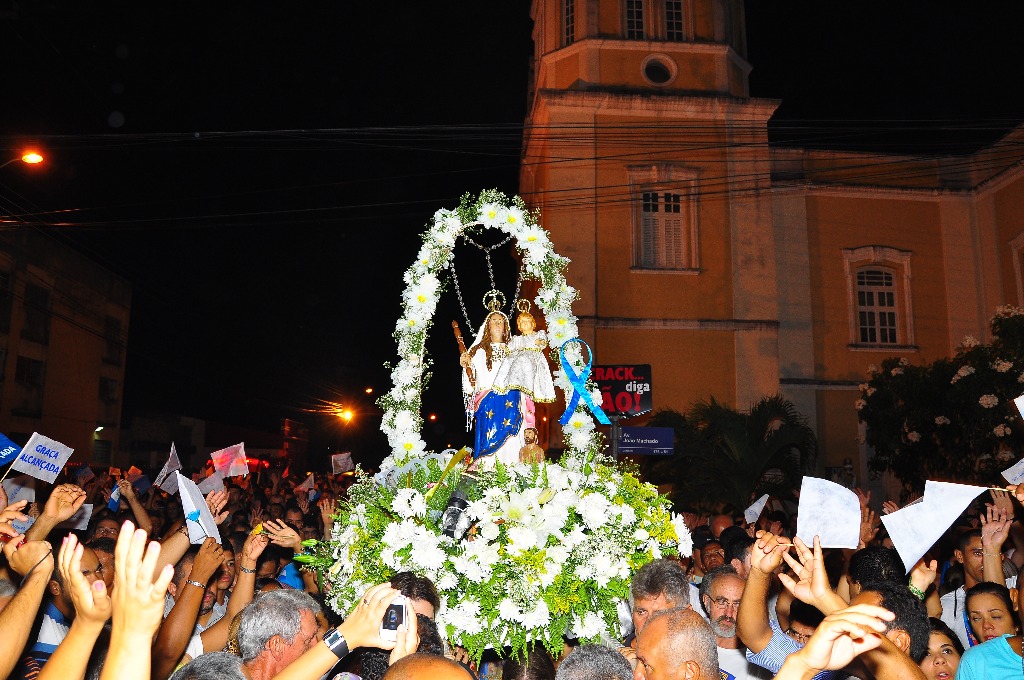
[30,157]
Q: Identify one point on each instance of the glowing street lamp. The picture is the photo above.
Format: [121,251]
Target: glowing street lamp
[346,415]
[30,157]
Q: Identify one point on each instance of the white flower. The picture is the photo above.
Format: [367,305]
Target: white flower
[594,510]
[539,617]
[1002,366]
[961,373]
[404,420]
[489,213]
[515,219]
[969,342]
[988,400]
[897,371]
[862,387]
[941,420]
[1001,430]
[914,436]
[489,531]
[508,610]
[521,538]
[859,404]
[581,421]
[869,391]
[903,361]
[590,627]
[557,554]
[447,581]
[685,540]
[517,508]
[872,369]
[601,565]
[409,503]
[579,440]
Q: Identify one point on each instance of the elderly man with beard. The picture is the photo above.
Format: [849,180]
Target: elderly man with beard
[720,592]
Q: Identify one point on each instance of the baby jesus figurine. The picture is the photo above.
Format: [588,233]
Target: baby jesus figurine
[526,369]
[531,453]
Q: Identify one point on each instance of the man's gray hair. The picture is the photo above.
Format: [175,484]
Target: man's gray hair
[594,662]
[708,582]
[661,577]
[212,666]
[278,612]
[687,637]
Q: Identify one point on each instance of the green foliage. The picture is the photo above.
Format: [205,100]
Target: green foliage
[721,455]
[950,420]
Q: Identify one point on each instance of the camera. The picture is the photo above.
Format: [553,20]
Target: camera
[395,616]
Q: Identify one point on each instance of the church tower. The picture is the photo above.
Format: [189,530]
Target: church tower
[650,165]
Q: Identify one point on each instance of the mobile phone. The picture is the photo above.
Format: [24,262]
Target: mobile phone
[394,617]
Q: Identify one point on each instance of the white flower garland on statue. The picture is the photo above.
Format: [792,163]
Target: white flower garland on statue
[553,546]
[402,422]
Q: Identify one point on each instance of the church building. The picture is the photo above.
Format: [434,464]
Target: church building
[737,269]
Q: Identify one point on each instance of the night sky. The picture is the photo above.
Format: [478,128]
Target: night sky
[260,172]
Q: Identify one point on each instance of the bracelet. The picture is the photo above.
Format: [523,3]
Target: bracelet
[992,554]
[246,571]
[197,584]
[920,594]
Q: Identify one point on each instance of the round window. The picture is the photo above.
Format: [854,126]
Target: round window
[659,70]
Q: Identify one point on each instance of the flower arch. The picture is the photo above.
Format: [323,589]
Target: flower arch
[552,547]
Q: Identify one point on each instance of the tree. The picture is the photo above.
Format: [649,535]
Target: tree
[949,420]
[723,455]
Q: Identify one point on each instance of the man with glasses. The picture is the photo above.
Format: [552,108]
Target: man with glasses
[720,593]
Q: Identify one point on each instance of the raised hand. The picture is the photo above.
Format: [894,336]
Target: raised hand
[282,534]
[863,496]
[127,491]
[24,557]
[869,524]
[1002,499]
[64,502]
[843,635]
[923,575]
[14,512]
[254,546]
[326,506]
[766,554]
[811,582]
[303,501]
[362,626]
[216,501]
[92,602]
[208,560]
[407,639]
[995,527]
[889,507]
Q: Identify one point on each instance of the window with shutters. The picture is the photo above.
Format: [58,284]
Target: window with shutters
[665,230]
[878,279]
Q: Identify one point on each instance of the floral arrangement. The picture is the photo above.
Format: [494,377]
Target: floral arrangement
[551,548]
[550,553]
[953,418]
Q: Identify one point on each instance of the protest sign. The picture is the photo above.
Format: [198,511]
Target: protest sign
[115,472]
[829,511]
[198,518]
[1015,473]
[141,485]
[231,462]
[22,527]
[42,458]
[167,480]
[133,474]
[625,389]
[306,485]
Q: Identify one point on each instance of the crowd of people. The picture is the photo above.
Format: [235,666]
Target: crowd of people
[130,596]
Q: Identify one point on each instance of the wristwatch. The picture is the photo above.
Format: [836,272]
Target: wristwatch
[337,643]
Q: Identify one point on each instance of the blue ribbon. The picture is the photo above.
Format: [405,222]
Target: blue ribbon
[579,386]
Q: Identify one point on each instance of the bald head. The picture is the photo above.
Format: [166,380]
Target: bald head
[418,666]
[676,643]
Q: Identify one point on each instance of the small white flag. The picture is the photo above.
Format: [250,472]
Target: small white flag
[167,480]
[212,483]
[754,511]
[1015,473]
[231,462]
[198,517]
[342,462]
[42,458]
[915,528]
[829,511]
[306,485]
